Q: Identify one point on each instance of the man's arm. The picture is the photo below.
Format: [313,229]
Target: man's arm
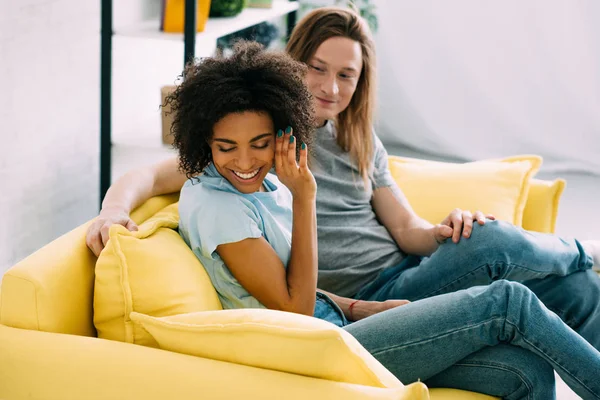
[128,192]
[412,233]
[139,185]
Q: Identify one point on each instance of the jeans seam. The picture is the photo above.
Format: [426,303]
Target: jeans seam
[553,359]
[502,368]
[472,272]
[400,346]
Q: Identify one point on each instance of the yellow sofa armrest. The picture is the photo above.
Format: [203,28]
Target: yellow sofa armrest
[41,365]
[52,289]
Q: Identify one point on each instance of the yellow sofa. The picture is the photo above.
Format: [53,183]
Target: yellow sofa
[49,347]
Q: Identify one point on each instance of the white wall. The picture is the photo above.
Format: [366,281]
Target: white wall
[49,121]
[476,79]
[130,12]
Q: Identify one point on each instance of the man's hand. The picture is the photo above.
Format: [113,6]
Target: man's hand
[459,223]
[97,234]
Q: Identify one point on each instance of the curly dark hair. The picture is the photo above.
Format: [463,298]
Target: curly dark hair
[252,79]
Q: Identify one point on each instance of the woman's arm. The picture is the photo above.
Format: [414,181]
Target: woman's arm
[257,267]
[254,263]
[362,308]
[128,192]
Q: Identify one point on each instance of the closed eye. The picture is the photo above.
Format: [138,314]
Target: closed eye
[221,149]
[317,68]
[261,146]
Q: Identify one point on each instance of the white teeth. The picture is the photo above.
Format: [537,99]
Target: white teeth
[247,176]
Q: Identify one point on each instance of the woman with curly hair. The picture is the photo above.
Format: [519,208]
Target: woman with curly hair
[234,213]
[466,326]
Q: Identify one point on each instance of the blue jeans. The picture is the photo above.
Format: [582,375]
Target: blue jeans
[556,270]
[485,339]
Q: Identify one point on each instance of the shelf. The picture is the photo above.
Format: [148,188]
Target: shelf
[215,27]
[137,141]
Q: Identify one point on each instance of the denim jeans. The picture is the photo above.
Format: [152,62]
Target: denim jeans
[328,310]
[497,339]
[556,270]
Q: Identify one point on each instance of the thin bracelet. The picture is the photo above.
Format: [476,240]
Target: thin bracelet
[350,309]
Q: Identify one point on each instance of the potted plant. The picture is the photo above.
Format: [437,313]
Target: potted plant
[226,8]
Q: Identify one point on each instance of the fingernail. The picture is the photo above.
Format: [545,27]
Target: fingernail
[292,139]
[288,130]
[303,146]
[279,133]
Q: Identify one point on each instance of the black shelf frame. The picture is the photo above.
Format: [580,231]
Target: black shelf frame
[106,34]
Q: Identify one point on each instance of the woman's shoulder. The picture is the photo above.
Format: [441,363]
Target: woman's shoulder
[206,198]
[283,193]
[197,188]
[273,182]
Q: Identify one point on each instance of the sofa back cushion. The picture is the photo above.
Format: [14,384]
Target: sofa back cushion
[434,189]
[151,271]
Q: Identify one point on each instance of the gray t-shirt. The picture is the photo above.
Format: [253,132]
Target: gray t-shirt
[353,246]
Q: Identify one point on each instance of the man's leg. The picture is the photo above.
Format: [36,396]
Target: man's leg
[557,270]
[422,339]
[497,250]
[575,299]
[506,371]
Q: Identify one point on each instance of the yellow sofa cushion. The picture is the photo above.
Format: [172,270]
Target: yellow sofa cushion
[541,210]
[434,189]
[273,340]
[151,271]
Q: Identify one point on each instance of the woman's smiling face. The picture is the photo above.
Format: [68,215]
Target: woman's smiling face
[243,149]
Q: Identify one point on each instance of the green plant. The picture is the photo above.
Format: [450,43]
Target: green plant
[364,7]
[226,8]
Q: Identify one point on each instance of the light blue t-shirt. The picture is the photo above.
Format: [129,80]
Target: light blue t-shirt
[213,212]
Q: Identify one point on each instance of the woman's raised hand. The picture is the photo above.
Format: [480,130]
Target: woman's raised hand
[295,175]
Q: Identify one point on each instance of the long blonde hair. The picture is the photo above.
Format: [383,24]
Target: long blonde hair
[355,123]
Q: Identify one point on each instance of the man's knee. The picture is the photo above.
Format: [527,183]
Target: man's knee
[509,293]
[496,242]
